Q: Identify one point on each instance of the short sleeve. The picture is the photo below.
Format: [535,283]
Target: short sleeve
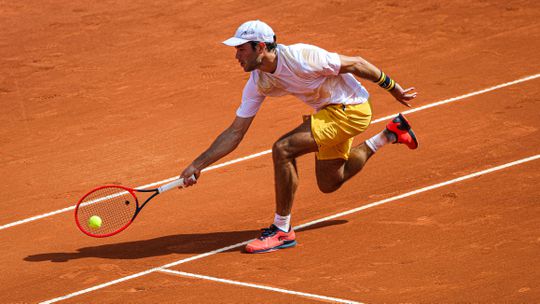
[333,63]
[251,99]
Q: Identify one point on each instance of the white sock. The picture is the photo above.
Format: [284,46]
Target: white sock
[282,222]
[379,140]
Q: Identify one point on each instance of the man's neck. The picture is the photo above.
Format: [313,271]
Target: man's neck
[269,62]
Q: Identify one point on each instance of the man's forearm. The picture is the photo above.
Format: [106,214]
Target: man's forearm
[359,67]
[224,144]
[366,70]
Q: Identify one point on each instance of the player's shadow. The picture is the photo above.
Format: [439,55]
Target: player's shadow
[179,243]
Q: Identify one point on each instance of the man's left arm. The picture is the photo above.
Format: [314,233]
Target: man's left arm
[360,67]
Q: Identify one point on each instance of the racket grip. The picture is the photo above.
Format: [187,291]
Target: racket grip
[174,184]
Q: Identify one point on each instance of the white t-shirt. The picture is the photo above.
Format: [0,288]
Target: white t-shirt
[307,72]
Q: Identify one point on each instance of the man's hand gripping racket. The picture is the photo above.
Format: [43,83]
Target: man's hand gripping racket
[114,207]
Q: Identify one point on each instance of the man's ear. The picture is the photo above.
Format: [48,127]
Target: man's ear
[261,45]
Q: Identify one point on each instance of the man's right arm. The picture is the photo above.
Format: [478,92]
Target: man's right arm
[360,67]
[224,144]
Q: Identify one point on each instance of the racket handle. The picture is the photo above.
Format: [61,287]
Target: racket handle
[174,184]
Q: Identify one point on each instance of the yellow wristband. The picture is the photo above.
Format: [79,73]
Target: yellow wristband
[386,82]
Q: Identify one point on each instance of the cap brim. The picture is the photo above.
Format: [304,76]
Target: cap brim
[234,41]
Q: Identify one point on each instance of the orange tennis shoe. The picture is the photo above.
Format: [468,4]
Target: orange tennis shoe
[400,127]
[272,239]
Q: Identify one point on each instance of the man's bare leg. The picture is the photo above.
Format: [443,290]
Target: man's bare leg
[284,153]
[357,160]
[333,173]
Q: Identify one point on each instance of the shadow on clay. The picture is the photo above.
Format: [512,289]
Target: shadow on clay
[172,244]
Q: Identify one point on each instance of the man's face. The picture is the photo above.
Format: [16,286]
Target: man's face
[249,58]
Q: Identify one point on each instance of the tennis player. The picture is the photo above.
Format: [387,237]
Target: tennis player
[325,81]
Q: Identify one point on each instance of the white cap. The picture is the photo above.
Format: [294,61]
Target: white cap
[255,30]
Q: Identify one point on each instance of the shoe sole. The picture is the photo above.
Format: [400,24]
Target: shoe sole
[282,246]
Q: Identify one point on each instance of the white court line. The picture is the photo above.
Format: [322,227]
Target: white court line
[435,104]
[281,290]
[391,199]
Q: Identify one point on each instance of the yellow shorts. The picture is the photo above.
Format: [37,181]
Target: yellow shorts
[334,127]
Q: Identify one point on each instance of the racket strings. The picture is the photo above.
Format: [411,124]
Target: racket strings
[114,206]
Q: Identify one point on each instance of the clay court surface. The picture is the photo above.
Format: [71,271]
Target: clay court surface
[130,92]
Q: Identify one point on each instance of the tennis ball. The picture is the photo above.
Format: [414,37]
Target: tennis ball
[94,222]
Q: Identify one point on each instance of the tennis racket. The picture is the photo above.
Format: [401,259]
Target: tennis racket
[109,209]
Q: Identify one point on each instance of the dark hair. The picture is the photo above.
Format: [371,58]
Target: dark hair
[270,46]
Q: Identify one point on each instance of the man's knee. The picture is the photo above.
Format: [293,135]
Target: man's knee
[327,187]
[330,174]
[280,151]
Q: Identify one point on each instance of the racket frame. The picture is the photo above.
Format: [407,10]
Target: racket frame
[137,210]
[169,186]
